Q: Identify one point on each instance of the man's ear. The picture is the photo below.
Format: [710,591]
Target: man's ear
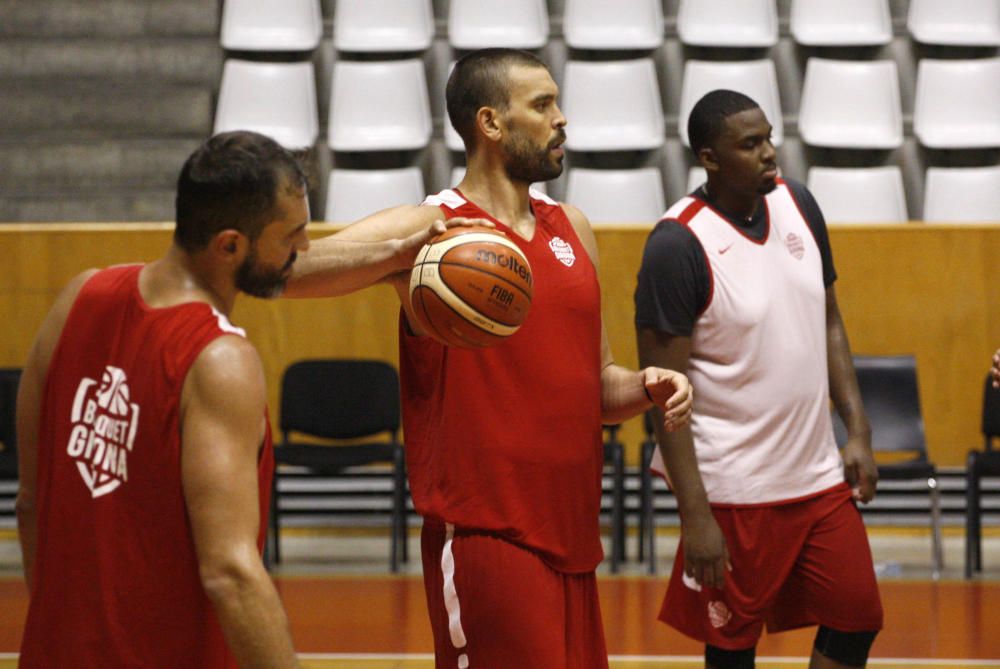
[229,244]
[708,159]
[489,123]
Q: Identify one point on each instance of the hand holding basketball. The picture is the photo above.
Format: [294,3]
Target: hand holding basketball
[411,245]
[470,287]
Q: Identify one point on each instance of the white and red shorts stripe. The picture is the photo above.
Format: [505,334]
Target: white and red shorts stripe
[495,604]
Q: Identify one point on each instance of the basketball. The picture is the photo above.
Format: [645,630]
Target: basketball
[470,287]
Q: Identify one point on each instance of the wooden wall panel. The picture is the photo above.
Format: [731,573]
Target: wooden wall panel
[930,290]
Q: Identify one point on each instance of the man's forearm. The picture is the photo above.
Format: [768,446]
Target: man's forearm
[843,381]
[335,267]
[253,620]
[622,394]
[677,450]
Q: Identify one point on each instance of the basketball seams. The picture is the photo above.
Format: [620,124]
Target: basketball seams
[450,336]
[447,337]
[456,304]
[437,250]
[499,277]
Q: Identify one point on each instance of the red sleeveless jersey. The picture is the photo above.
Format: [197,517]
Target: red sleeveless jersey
[507,439]
[116,576]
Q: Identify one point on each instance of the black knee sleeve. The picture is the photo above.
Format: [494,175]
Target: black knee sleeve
[730,659]
[850,648]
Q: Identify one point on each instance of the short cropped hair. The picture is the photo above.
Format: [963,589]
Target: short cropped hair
[709,114]
[480,80]
[232,181]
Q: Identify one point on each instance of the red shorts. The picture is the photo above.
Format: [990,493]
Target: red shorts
[496,605]
[794,564]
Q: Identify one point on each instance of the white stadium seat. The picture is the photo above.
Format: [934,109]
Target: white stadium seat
[962,195]
[859,194]
[851,104]
[271,25]
[386,25]
[841,23]
[274,99]
[379,106]
[612,105]
[728,23]
[632,196]
[958,103]
[623,24]
[518,24]
[354,194]
[955,22]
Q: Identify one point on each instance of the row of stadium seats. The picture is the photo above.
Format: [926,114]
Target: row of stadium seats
[408,25]
[378,102]
[608,196]
[616,105]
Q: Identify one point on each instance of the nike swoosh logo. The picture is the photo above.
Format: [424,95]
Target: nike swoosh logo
[726,248]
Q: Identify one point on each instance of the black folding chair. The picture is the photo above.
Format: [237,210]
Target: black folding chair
[614,455]
[889,392]
[9,380]
[980,464]
[341,400]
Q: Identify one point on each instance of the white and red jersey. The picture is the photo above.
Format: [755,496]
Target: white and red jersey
[116,580]
[761,421]
[507,439]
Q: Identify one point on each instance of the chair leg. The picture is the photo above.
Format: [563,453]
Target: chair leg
[937,549]
[618,509]
[648,511]
[404,535]
[397,511]
[973,548]
[274,535]
[641,534]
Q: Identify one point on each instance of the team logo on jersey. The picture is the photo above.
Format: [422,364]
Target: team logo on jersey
[563,251]
[795,246]
[718,613]
[104,426]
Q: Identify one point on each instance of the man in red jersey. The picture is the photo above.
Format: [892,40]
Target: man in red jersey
[736,288]
[504,446]
[144,446]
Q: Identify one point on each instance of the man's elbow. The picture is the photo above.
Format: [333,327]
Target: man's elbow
[24,505]
[228,577]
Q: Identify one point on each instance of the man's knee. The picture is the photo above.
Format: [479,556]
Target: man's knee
[850,648]
[720,658]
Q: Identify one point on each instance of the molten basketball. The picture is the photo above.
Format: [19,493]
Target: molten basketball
[470,287]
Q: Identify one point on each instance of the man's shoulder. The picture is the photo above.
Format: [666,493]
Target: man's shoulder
[798,190]
[670,235]
[226,365]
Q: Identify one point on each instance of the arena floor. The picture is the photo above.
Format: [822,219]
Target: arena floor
[347,612]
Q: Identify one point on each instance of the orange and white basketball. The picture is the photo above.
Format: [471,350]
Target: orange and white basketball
[470,287]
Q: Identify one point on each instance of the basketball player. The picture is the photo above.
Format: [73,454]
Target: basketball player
[145,450]
[504,445]
[736,287]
